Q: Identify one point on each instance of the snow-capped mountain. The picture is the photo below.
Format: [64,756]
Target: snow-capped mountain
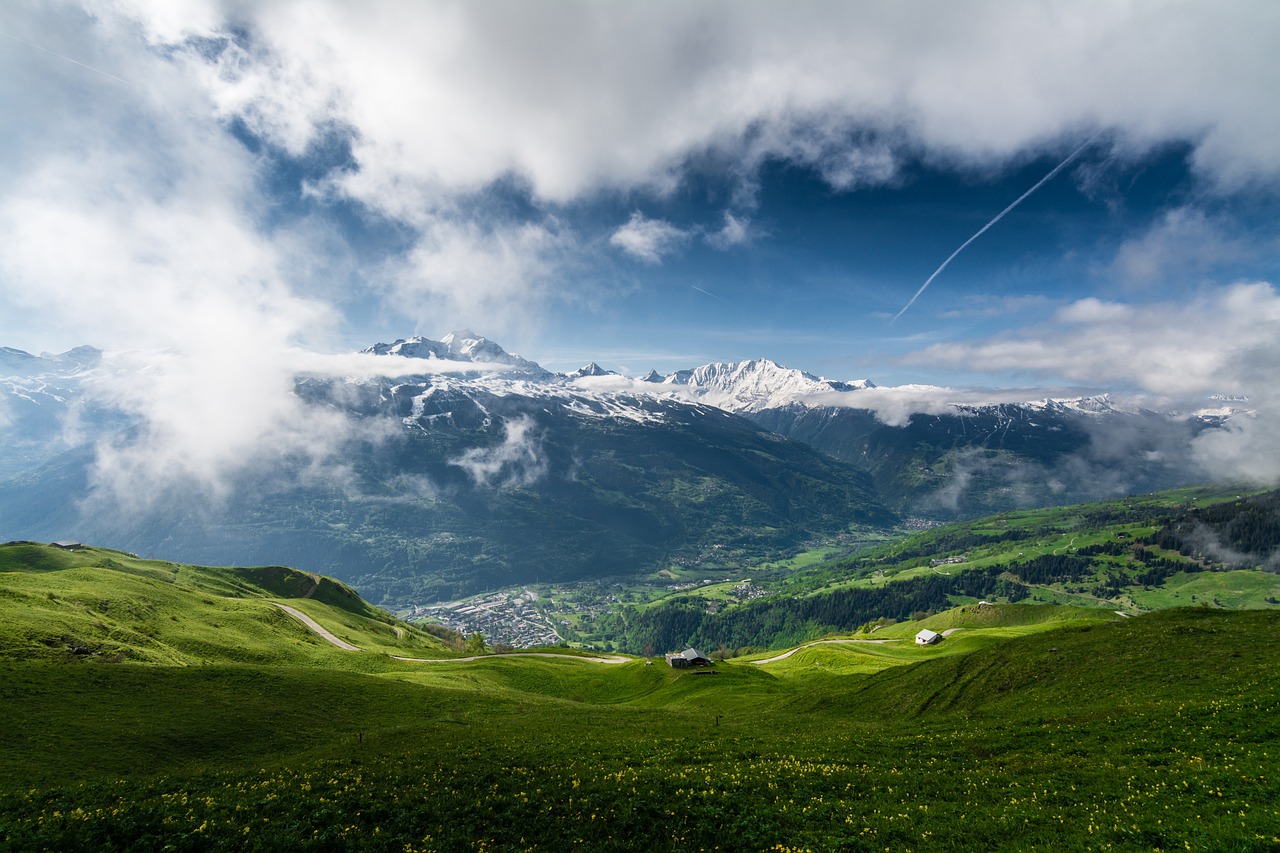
[591,369]
[755,385]
[744,386]
[463,345]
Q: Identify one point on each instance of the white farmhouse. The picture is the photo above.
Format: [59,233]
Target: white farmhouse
[927,637]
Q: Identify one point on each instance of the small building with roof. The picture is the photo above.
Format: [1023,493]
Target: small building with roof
[927,637]
[688,658]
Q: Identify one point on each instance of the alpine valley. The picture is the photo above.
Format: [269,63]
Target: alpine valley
[460,467]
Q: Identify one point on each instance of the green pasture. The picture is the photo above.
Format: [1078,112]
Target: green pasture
[1154,733]
[200,717]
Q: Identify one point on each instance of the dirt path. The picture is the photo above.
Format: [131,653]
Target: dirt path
[315,626]
[791,652]
[515,655]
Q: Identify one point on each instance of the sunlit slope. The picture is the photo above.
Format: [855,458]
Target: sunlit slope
[103,605]
[1124,667]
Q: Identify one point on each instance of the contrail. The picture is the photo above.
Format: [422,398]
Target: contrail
[67,58]
[708,292]
[1056,169]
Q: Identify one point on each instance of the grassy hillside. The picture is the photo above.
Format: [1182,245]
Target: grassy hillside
[103,605]
[1028,727]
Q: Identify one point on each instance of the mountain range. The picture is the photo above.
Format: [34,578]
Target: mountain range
[473,467]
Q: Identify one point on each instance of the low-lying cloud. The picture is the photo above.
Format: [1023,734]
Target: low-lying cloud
[518,461]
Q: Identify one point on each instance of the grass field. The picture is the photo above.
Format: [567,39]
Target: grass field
[1029,727]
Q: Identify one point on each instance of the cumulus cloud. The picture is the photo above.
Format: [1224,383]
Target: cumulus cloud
[573,98]
[1185,243]
[445,104]
[518,461]
[734,232]
[442,103]
[648,239]
[1222,341]
[498,272]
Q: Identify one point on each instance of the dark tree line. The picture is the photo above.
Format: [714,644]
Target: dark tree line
[787,621]
[1238,534]
[1053,568]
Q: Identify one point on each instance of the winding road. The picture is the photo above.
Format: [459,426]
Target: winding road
[316,627]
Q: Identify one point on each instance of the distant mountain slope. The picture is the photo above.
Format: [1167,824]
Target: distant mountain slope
[975,460]
[485,481]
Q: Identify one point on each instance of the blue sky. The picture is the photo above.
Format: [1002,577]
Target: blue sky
[653,185]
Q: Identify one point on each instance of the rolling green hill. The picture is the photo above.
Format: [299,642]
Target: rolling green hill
[104,605]
[1028,727]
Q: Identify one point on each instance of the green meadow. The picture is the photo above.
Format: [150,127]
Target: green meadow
[157,706]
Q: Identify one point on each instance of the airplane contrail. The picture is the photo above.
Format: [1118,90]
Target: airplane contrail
[1020,199]
[708,292]
[67,58]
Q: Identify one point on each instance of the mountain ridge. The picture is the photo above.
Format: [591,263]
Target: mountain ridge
[483,477]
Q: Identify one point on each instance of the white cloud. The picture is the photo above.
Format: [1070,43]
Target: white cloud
[442,102]
[734,232]
[648,240]
[1184,243]
[1223,341]
[517,461]
[572,98]
[894,405]
[500,273]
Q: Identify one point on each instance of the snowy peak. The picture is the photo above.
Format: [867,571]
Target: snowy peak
[755,385]
[16,362]
[415,347]
[591,369]
[463,345]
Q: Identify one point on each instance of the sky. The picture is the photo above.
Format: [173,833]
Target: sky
[652,186]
